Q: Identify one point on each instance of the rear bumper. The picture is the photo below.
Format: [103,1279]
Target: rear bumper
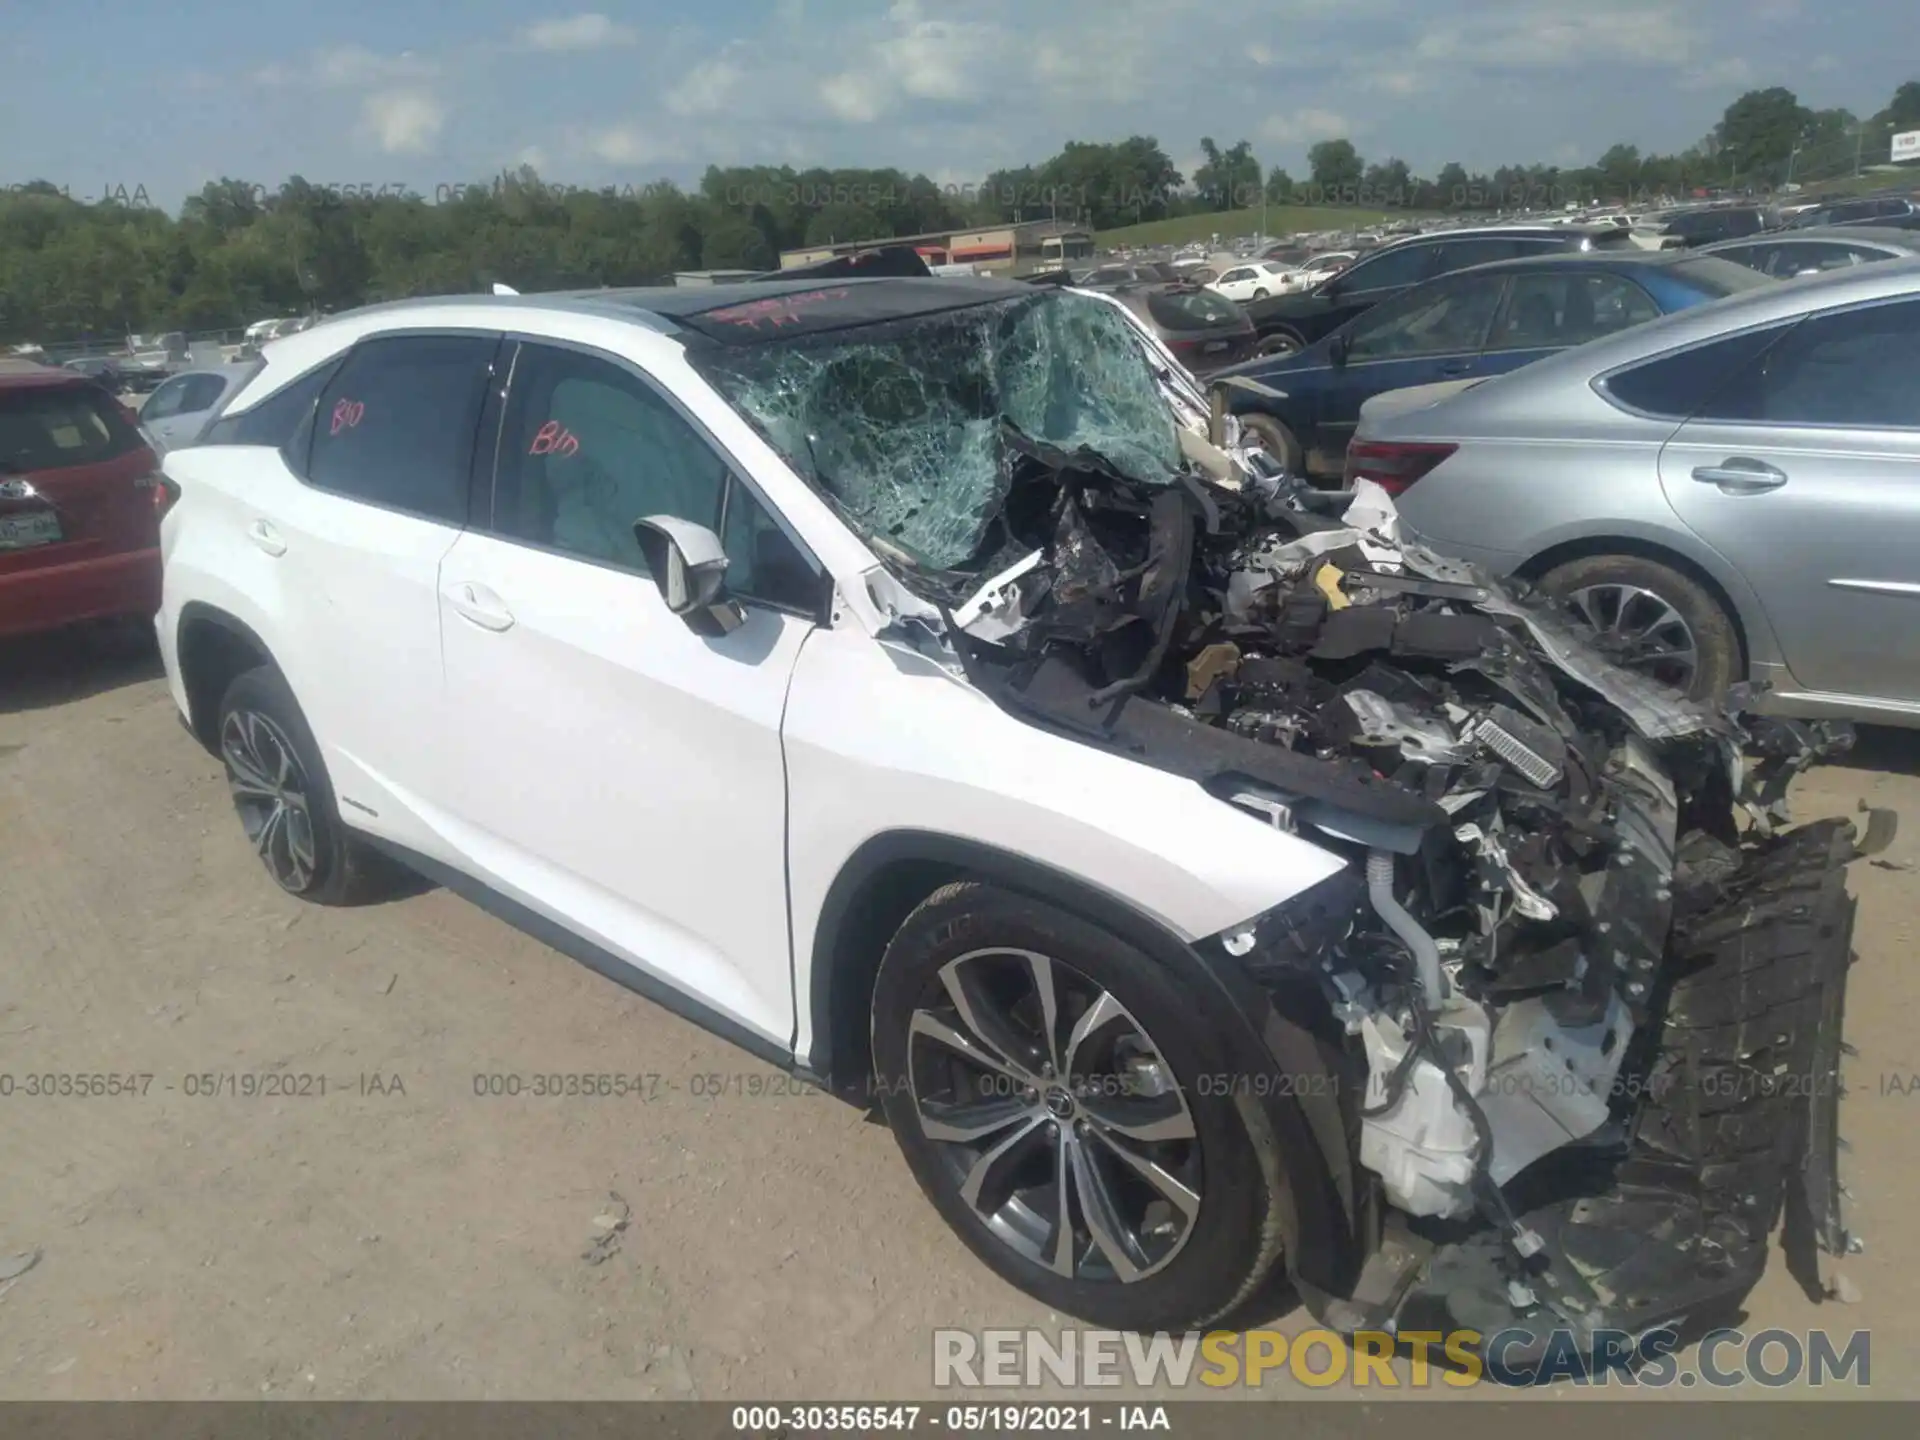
[105,587]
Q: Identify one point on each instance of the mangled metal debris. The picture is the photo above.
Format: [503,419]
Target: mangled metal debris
[1541,842]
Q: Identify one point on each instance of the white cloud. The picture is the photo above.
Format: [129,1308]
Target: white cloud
[631,145]
[1304,126]
[589,30]
[403,122]
[707,88]
[857,96]
[1553,35]
[347,67]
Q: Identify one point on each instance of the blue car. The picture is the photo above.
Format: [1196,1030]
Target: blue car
[1465,325]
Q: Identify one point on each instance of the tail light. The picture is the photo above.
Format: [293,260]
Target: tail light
[165,492]
[1393,465]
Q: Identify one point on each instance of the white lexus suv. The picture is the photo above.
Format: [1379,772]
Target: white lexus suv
[916,682]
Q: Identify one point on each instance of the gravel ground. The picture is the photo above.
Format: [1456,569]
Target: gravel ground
[400,1237]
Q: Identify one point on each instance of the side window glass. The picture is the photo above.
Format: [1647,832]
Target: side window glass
[199,393]
[1748,255]
[587,449]
[1459,254]
[1556,311]
[165,401]
[1856,368]
[395,426]
[1440,320]
[1405,266]
[1677,386]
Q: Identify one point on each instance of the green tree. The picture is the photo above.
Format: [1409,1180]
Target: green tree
[1335,165]
[1760,132]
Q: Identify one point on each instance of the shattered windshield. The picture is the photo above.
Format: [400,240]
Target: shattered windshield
[913,427]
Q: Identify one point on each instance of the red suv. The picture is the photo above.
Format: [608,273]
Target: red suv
[80,503]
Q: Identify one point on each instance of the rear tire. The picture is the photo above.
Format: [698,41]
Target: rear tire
[1169,1221]
[1623,595]
[1281,344]
[285,803]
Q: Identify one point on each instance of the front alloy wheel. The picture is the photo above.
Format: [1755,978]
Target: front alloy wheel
[1111,1170]
[1056,1115]
[270,790]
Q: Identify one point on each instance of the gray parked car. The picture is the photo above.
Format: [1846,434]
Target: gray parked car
[175,414]
[1791,253]
[1733,490]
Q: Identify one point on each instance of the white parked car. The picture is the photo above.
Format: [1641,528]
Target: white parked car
[1253,281]
[900,678]
[176,412]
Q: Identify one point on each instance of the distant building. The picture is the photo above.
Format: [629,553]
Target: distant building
[1007,250]
[691,278]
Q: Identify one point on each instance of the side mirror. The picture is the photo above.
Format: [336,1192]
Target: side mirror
[689,565]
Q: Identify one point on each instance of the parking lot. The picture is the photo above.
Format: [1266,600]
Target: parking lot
[382,1230]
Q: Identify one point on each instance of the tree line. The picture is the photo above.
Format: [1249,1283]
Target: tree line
[237,252]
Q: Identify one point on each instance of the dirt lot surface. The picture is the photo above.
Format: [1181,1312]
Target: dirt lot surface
[400,1237]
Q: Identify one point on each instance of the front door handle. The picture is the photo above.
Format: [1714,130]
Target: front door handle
[479,604]
[266,538]
[1740,475]
[1456,367]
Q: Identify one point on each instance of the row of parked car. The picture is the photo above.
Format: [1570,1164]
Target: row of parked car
[1713,453]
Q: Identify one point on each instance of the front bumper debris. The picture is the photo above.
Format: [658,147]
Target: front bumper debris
[1736,1127]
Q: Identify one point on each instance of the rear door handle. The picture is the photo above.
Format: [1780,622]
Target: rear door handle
[1740,475]
[266,537]
[479,604]
[1456,367]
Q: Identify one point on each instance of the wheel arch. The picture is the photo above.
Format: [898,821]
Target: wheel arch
[213,646]
[890,874]
[1590,546]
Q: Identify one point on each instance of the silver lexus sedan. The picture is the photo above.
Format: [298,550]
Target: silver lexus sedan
[1729,492]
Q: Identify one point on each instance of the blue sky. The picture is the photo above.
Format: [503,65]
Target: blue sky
[131,94]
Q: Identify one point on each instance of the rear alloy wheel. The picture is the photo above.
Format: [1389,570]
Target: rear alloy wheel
[1077,1151]
[285,804]
[1653,619]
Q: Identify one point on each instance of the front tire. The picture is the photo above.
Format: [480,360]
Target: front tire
[1281,344]
[1085,1154]
[1655,619]
[286,806]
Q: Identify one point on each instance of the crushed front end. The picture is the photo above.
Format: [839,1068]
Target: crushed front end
[1584,980]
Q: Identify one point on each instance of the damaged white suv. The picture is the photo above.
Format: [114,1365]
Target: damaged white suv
[915,682]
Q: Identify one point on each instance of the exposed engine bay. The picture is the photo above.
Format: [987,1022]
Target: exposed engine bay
[1552,939]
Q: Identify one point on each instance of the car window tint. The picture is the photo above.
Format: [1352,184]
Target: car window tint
[396,424]
[1406,266]
[1459,254]
[275,420]
[1437,320]
[587,448]
[1754,256]
[1568,308]
[1678,385]
[1856,367]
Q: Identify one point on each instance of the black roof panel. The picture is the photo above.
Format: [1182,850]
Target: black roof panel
[757,311]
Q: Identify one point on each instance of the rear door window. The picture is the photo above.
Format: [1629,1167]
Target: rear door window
[1440,319]
[396,425]
[1569,308]
[56,427]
